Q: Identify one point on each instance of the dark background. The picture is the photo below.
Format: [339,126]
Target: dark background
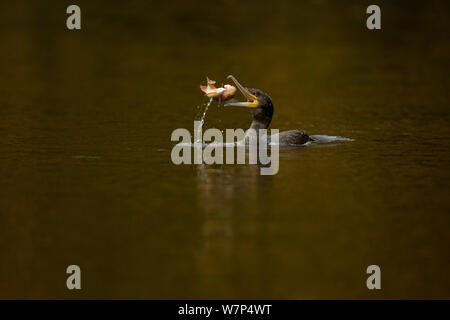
[86,176]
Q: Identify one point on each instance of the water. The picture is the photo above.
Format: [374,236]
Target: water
[85,169]
[202,122]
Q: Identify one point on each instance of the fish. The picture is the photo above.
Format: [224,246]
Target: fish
[218,94]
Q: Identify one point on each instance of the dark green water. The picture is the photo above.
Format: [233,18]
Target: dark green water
[86,176]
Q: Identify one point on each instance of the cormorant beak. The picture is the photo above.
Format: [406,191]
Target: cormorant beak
[252,101]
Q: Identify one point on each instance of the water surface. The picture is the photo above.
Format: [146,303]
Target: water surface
[86,176]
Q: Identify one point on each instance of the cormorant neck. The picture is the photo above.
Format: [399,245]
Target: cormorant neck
[257,124]
[260,124]
[261,118]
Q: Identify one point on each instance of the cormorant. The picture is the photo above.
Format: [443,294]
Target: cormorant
[262,112]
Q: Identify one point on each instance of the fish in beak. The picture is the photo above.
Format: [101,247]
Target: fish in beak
[218,94]
[252,100]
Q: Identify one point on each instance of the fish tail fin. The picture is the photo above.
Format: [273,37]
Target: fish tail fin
[211,83]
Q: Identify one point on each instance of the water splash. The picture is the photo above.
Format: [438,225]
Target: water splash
[202,121]
[326,139]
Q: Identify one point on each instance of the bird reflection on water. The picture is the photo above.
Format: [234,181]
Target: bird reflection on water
[227,235]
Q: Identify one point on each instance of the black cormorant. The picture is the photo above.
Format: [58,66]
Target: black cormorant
[262,112]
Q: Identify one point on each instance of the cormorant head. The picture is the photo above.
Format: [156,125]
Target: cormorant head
[259,102]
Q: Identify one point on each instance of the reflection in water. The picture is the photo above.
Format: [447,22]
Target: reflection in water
[223,235]
[86,176]
[218,186]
